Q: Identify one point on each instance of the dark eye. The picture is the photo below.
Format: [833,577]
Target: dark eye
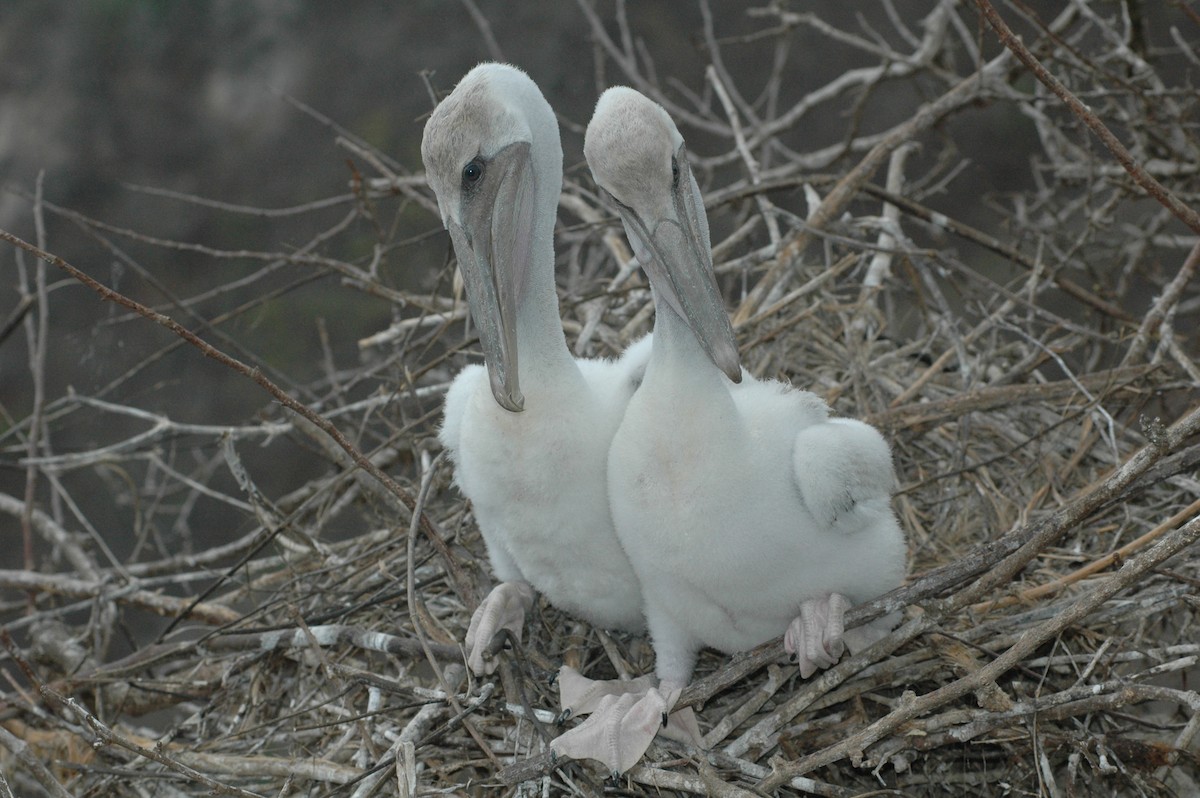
[472,173]
[674,171]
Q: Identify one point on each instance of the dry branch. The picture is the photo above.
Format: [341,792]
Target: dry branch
[915,706]
[254,374]
[168,606]
[835,202]
[32,763]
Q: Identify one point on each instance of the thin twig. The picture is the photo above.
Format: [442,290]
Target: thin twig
[1164,305]
[840,196]
[253,373]
[1152,187]
[108,736]
[33,763]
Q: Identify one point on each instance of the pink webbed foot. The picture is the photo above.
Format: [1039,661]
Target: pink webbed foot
[504,608]
[618,732]
[870,633]
[578,695]
[815,637]
[623,724]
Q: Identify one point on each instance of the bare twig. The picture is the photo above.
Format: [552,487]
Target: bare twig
[1164,305]
[168,606]
[1152,187]
[32,763]
[257,376]
[485,30]
[108,736]
[38,334]
[840,196]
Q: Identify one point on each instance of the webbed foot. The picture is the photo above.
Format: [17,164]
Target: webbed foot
[623,725]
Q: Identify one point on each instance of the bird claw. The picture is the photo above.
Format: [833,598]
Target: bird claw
[682,727]
[496,622]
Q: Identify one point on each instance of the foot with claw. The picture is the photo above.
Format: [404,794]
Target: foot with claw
[503,609]
[815,637]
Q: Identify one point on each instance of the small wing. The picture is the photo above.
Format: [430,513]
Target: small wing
[843,466]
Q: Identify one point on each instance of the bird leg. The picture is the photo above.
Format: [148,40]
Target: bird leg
[815,637]
[504,608]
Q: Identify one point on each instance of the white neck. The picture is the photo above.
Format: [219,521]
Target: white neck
[677,356]
[541,345]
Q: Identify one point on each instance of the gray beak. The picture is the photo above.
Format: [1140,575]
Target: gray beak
[675,252]
[492,245]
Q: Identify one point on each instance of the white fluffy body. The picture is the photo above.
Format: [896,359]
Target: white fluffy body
[736,503]
[537,478]
[731,501]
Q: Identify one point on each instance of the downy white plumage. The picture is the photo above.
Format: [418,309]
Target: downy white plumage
[746,511]
[528,435]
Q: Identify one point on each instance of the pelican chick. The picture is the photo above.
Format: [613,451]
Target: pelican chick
[745,509]
[529,433]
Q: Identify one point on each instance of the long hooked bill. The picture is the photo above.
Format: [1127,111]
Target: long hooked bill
[674,251]
[493,245]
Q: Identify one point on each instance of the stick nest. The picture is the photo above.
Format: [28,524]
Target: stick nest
[1037,382]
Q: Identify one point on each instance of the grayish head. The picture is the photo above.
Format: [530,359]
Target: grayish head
[494,160]
[638,157]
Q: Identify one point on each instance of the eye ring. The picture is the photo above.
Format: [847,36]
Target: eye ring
[472,173]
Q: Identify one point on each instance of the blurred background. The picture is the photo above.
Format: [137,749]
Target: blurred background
[124,106]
